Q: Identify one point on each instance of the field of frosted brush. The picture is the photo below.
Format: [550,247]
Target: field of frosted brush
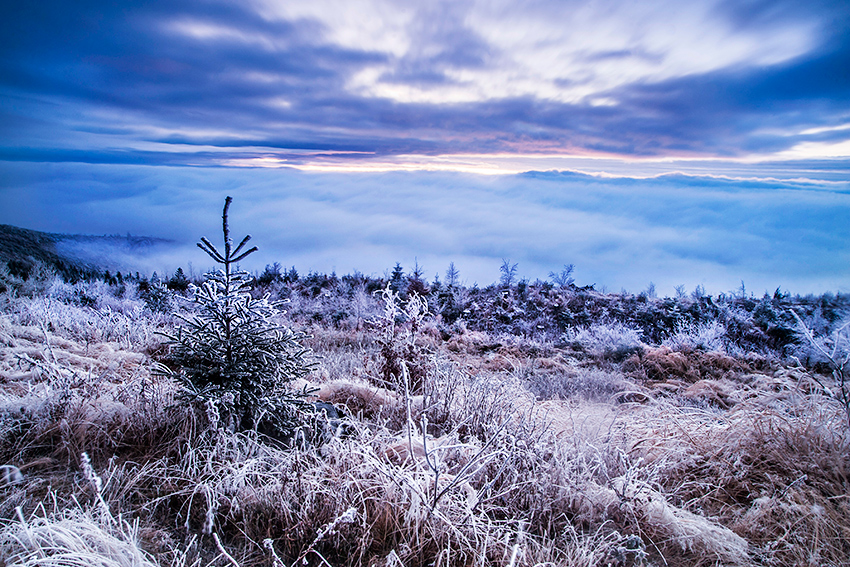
[366,423]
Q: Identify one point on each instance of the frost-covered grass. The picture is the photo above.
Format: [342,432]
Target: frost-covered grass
[72,537]
[602,447]
[612,340]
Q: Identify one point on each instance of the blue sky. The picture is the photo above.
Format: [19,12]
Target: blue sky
[696,142]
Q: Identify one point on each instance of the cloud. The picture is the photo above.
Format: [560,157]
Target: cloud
[619,232]
[141,117]
[394,78]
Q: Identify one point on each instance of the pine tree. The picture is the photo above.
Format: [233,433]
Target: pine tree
[564,278]
[508,276]
[230,353]
[397,279]
[178,282]
[452,276]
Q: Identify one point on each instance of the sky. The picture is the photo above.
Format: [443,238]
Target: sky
[679,143]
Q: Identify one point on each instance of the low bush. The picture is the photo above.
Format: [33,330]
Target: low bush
[614,341]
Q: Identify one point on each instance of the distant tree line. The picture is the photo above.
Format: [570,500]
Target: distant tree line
[542,309]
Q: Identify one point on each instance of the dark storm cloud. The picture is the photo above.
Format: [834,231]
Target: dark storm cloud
[95,76]
[131,60]
[728,112]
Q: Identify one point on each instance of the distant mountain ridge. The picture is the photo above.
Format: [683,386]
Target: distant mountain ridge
[72,255]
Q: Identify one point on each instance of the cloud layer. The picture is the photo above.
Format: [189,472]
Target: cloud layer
[295,82]
[619,232]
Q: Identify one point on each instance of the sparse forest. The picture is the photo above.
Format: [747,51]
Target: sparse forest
[279,419]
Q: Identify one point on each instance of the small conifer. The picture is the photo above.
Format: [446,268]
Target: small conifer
[230,353]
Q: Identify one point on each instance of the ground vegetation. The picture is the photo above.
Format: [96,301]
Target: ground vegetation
[523,423]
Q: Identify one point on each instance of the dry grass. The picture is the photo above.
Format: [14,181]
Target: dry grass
[774,472]
[71,538]
[513,454]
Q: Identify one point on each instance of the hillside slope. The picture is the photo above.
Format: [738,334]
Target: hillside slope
[72,256]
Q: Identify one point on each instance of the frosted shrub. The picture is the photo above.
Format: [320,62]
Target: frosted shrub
[343,305]
[34,284]
[709,336]
[833,349]
[229,351]
[398,329]
[81,293]
[157,297]
[816,336]
[612,340]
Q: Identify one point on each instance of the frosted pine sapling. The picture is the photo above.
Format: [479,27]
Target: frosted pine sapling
[508,270]
[564,278]
[230,354]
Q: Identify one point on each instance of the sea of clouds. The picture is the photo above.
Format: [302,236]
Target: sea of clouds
[619,232]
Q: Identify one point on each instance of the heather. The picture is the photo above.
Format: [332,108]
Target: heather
[521,423]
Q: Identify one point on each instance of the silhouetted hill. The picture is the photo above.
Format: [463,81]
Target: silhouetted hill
[73,256]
